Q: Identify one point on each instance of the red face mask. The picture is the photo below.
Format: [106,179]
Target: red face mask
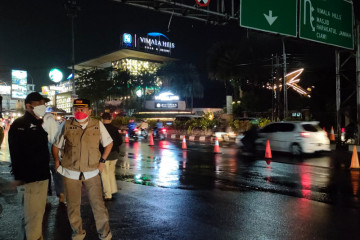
[80,116]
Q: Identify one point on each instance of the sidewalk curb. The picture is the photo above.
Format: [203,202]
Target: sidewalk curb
[199,138]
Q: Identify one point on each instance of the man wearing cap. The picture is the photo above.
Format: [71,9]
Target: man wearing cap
[29,155]
[81,164]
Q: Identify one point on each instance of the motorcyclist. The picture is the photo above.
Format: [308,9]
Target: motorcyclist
[131,126]
[350,131]
[159,125]
[143,126]
[249,139]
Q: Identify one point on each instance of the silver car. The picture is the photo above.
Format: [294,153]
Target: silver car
[294,137]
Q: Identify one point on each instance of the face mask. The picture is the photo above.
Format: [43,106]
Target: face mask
[40,110]
[81,117]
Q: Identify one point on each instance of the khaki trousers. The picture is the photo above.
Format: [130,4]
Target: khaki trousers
[108,179]
[33,196]
[73,198]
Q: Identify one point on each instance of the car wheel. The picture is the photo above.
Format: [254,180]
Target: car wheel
[295,149]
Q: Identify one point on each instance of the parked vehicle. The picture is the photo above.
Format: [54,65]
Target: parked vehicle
[293,137]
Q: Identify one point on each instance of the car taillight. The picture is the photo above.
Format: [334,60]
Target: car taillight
[135,130]
[163,130]
[305,134]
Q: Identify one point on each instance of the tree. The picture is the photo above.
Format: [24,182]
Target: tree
[183,79]
[123,83]
[94,85]
[223,65]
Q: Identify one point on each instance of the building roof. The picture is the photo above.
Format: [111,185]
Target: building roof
[120,54]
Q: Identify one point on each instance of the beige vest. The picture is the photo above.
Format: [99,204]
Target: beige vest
[81,151]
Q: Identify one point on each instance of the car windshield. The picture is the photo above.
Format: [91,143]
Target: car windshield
[311,127]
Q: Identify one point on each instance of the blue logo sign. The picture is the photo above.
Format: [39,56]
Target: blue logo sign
[156,34]
[127,39]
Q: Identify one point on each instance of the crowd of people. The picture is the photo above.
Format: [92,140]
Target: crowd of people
[81,151]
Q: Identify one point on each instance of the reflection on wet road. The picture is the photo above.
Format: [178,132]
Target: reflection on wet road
[323,178]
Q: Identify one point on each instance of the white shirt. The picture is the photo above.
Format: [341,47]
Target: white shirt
[105,139]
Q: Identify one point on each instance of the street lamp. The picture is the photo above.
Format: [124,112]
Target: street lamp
[72,7]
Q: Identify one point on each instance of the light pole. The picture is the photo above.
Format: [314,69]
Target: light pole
[72,7]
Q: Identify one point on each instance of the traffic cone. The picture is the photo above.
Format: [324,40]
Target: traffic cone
[354,159]
[151,140]
[216,147]
[184,144]
[126,137]
[332,134]
[268,150]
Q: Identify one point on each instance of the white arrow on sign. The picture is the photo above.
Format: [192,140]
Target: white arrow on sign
[270,18]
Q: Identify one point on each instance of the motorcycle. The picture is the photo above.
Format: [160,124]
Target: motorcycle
[160,133]
[133,133]
[142,133]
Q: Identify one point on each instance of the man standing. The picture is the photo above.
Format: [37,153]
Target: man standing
[29,154]
[81,165]
[108,175]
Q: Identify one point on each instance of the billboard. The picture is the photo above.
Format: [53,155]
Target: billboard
[19,84]
[5,90]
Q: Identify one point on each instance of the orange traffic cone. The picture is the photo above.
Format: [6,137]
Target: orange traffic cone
[354,159]
[332,135]
[151,143]
[126,137]
[268,150]
[184,143]
[216,147]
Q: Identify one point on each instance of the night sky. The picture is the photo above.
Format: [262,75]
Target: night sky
[36,36]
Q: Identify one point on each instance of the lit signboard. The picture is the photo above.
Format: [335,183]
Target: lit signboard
[5,90]
[127,39]
[166,105]
[63,101]
[55,75]
[153,41]
[19,83]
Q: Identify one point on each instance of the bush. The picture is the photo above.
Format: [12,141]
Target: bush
[121,121]
[195,124]
[240,126]
[263,122]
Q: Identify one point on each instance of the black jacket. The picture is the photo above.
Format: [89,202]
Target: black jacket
[117,141]
[29,151]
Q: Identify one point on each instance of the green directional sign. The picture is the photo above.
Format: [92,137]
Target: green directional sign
[327,21]
[276,16]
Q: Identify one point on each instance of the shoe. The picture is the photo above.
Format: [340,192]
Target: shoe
[62,198]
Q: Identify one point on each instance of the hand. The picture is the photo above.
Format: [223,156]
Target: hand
[101,167]
[15,184]
[57,164]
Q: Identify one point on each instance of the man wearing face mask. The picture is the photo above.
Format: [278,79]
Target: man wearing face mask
[29,154]
[81,164]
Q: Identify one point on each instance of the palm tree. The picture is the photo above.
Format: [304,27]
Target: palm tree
[223,65]
[182,79]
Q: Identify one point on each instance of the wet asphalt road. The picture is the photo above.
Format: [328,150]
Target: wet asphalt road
[168,193]
[321,177]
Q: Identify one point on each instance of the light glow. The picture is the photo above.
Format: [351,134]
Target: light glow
[167,96]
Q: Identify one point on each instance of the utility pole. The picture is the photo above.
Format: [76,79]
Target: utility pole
[357,34]
[72,7]
[284,81]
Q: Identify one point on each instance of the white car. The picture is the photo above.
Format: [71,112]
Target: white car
[294,137]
